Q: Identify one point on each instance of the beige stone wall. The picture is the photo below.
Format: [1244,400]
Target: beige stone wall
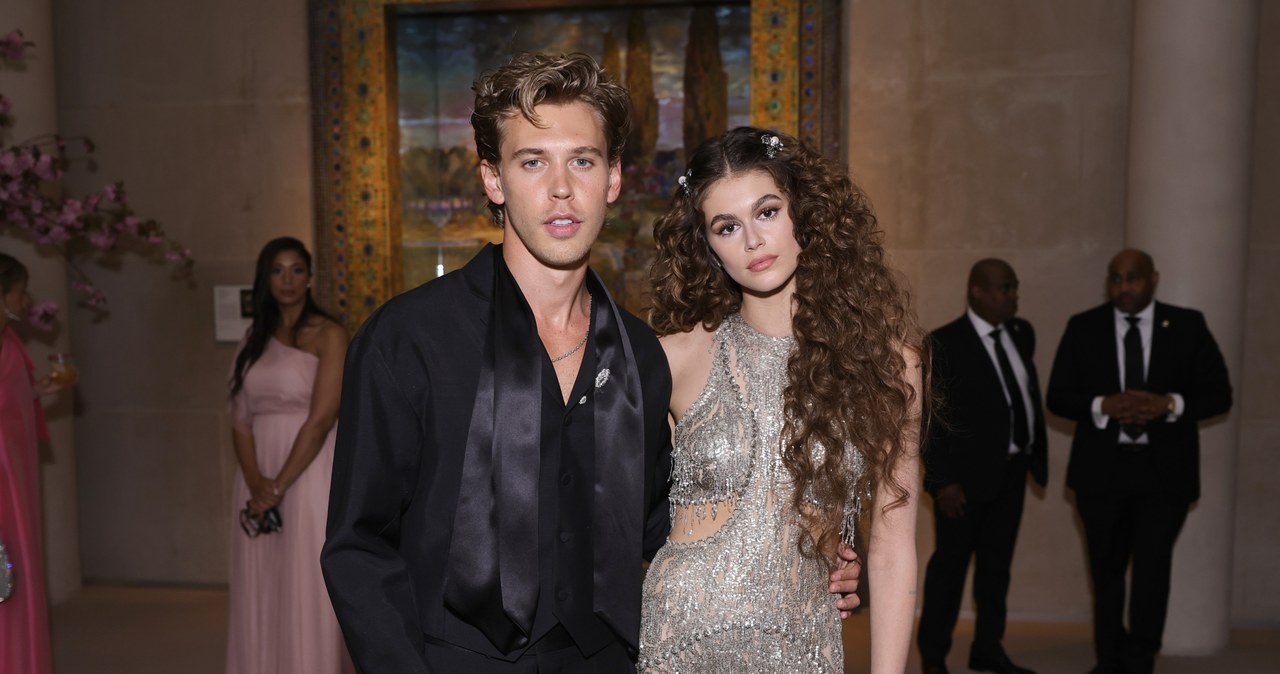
[978,127]
[202,109]
[998,128]
[1255,585]
[978,138]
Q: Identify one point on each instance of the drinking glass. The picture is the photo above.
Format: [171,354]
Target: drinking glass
[62,370]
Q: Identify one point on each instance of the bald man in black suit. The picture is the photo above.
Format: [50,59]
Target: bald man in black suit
[1137,376]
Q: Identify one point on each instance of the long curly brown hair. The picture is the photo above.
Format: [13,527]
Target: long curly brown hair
[847,388]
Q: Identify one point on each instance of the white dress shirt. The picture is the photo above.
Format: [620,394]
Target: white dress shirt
[1146,328]
[1015,362]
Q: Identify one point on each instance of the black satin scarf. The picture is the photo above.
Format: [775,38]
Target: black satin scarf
[617,517]
[493,557]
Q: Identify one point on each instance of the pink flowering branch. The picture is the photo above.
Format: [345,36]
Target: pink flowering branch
[30,203]
[43,315]
[13,47]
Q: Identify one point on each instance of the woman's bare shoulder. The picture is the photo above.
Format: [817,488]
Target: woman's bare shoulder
[322,334]
[689,354]
[683,347]
[334,334]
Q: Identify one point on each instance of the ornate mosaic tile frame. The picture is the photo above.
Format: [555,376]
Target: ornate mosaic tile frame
[795,87]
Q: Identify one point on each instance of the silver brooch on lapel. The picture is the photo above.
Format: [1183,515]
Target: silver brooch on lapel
[602,377]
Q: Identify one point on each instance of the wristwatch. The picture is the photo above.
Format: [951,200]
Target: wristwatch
[1173,405]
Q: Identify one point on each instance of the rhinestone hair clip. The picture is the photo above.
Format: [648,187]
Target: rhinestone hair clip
[684,181]
[771,144]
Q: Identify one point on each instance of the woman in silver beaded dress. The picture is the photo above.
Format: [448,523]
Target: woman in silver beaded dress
[795,365]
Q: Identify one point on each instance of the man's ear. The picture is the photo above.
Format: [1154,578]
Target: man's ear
[615,181]
[492,183]
[1155,280]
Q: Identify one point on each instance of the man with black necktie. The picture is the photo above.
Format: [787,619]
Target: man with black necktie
[1137,377]
[976,463]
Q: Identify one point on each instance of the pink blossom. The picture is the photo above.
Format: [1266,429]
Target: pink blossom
[113,193]
[12,45]
[42,315]
[95,297]
[45,169]
[59,234]
[131,225]
[13,161]
[71,211]
[102,240]
[5,105]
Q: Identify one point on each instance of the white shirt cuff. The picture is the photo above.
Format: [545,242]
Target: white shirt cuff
[1099,419]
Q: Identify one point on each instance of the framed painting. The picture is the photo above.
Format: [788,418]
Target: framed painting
[398,195]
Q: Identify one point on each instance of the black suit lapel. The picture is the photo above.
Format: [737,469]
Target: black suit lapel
[1107,348]
[1163,334]
[478,273]
[982,359]
[1022,341]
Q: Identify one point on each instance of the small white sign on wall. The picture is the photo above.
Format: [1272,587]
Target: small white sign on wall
[232,312]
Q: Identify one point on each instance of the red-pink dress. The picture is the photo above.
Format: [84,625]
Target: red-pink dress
[24,616]
[281,621]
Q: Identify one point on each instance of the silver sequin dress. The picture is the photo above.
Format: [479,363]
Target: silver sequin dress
[741,599]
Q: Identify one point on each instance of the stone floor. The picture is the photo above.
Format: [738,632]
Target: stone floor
[113,629]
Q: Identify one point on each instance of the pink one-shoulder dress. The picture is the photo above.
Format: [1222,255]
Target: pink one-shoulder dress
[24,616]
[281,621]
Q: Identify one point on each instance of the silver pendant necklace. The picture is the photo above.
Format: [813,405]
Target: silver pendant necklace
[583,342]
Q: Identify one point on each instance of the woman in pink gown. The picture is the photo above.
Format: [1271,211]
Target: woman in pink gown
[24,616]
[285,388]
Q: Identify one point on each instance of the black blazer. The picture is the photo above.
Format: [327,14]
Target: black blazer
[407,396]
[971,444]
[1184,359]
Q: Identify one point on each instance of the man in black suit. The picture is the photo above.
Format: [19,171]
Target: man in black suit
[976,464]
[503,449]
[1137,377]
